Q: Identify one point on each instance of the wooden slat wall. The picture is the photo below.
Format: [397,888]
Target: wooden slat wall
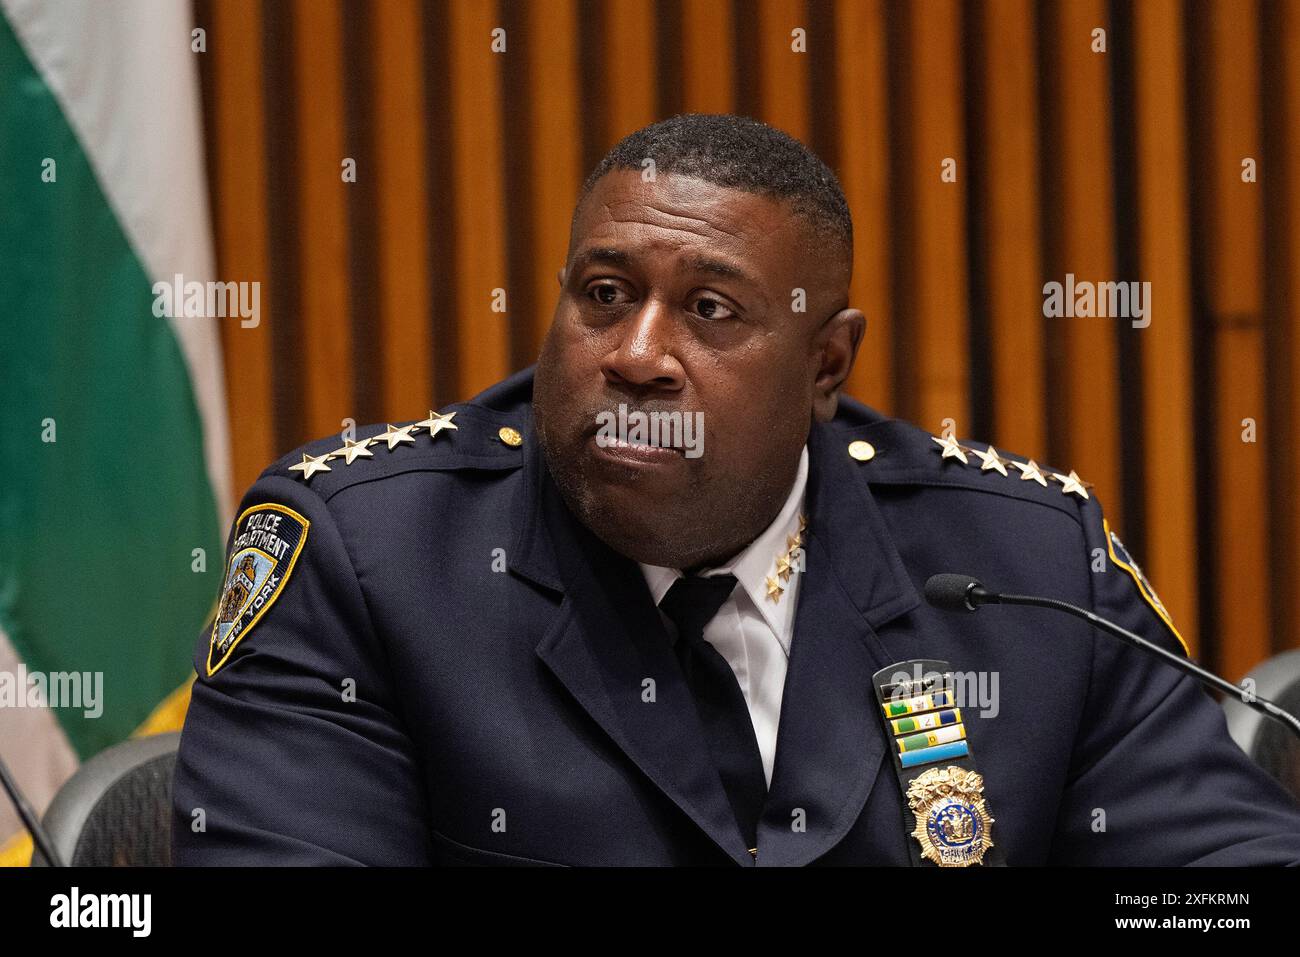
[863,164]
[783,79]
[478,163]
[403,205]
[1164,258]
[1009,145]
[708,57]
[630,67]
[557,162]
[326,334]
[237,173]
[934,282]
[1082,399]
[1116,166]
[1285,236]
[1230,291]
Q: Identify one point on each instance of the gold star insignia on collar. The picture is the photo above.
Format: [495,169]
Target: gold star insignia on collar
[1030,472]
[310,465]
[785,566]
[436,422]
[951,450]
[395,435]
[352,450]
[992,460]
[1071,484]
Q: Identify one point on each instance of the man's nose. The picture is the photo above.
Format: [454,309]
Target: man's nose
[643,357]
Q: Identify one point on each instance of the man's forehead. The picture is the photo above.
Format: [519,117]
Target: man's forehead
[682,202]
[672,209]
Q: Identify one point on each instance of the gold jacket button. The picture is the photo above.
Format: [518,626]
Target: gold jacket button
[862,451]
[510,437]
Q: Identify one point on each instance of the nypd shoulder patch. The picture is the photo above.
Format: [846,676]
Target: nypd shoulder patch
[1120,556]
[268,539]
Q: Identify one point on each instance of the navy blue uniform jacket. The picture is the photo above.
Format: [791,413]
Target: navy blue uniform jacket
[454,671]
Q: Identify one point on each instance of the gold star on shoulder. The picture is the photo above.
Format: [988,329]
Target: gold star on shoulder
[774,589]
[992,460]
[351,451]
[436,422]
[395,435]
[310,465]
[1071,484]
[1030,472]
[951,450]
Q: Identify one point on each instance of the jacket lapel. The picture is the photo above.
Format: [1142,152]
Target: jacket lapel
[830,745]
[606,641]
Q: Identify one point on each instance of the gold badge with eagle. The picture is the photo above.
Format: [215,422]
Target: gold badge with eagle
[953,825]
[267,542]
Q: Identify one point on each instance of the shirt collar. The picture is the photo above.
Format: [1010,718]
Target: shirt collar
[756,564]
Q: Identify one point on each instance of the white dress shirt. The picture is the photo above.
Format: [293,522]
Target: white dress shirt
[750,630]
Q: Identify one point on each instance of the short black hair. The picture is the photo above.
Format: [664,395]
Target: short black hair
[737,152]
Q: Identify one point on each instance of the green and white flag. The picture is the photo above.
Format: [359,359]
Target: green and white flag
[113,440]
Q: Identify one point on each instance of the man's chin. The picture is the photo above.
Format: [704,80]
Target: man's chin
[642,526]
[650,546]
[645,510]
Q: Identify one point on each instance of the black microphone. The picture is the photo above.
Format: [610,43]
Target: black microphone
[964,593]
[28,814]
[955,592]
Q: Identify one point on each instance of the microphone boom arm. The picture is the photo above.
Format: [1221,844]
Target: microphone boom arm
[1186,665]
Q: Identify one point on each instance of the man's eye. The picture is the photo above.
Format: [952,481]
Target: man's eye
[706,307]
[607,294]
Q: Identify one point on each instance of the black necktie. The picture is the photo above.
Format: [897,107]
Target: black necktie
[691,604]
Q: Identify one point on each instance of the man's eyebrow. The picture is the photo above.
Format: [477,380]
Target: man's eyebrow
[617,257]
[720,268]
[602,254]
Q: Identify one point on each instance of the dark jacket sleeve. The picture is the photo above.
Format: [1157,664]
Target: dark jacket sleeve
[279,762]
[1155,777]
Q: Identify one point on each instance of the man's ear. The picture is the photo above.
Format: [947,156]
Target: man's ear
[836,348]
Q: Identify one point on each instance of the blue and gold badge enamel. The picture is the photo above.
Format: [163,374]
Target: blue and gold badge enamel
[267,542]
[953,825]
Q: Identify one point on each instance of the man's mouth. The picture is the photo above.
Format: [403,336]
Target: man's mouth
[639,437]
[624,450]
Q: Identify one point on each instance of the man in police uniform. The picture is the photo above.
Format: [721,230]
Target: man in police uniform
[501,634]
